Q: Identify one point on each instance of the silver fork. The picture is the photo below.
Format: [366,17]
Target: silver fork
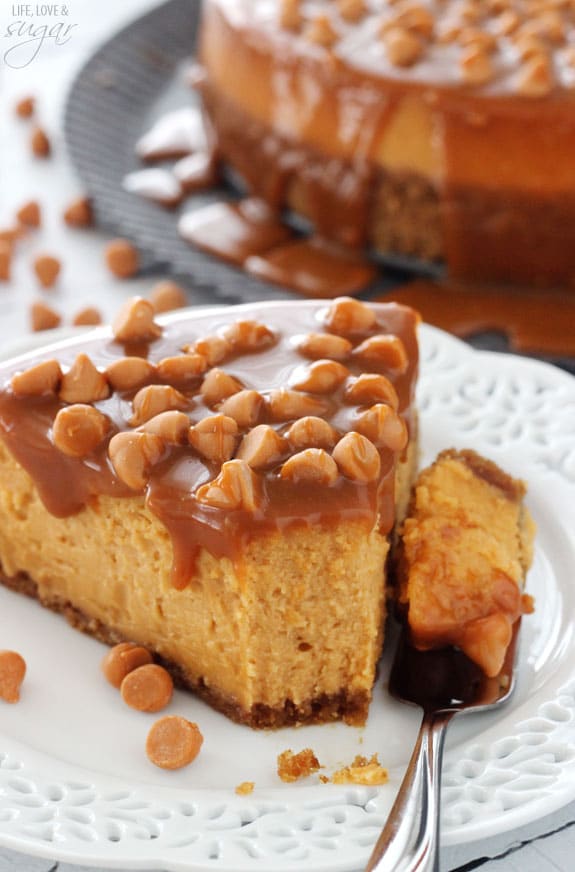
[444,683]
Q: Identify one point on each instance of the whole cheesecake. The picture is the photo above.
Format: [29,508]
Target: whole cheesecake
[222,487]
[442,129]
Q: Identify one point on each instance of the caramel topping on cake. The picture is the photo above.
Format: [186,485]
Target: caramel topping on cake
[419,37]
[220,453]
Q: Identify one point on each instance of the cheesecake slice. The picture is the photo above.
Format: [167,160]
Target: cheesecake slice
[221,487]
[465,550]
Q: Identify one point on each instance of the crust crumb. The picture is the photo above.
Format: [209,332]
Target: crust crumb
[292,767]
[362,771]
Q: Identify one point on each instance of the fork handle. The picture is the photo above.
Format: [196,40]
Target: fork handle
[409,841]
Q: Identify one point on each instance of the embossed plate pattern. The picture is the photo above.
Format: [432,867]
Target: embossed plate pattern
[74,781]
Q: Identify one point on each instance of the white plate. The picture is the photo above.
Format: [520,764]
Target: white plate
[75,784]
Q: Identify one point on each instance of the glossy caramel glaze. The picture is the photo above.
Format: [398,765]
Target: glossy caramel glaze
[66,483]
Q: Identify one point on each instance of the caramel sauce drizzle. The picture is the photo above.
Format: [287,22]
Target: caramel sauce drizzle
[66,484]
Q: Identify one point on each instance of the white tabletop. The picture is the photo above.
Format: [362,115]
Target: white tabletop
[46,70]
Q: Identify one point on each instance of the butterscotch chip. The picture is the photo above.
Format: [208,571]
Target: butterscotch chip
[481,39]
[12,672]
[529,45]
[312,432]
[218,385]
[383,426]
[311,465]
[507,23]
[347,316]
[215,349]
[43,378]
[245,407]
[129,373]
[285,405]
[416,18]
[402,46]
[88,317]
[262,447]
[47,269]
[291,767]
[535,78]
[153,399]
[43,317]
[471,12]
[246,336]
[321,31]
[476,65]
[215,437]
[5,261]
[79,213]
[357,457]
[29,214]
[351,10]
[171,426]
[25,107]
[181,369]
[245,788]
[123,659]
[135,322]
[79,429]
[173,742]
[383,352]
[321,377]
[40,144]
[290,15]
[369,388]
[122,258]
[326,345]
[84,383]
[11,235]
[133,455]
[548,25]
[236,487]
[167,296]
[148,688]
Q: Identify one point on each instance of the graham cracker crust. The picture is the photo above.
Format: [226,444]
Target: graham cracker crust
[352,708]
